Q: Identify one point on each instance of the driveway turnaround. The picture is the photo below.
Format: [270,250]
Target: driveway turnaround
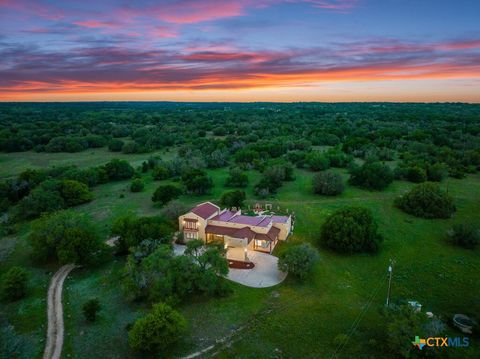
[55,334]
[264,274]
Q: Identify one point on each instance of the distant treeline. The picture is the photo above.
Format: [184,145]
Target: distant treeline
[428,141]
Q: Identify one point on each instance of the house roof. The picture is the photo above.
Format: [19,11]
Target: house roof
[259,221]
[220,230]
[205,210]
[224,216]
[280,219]
[271,235]
[244,232]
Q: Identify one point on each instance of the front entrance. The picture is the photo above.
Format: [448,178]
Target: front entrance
[237,254]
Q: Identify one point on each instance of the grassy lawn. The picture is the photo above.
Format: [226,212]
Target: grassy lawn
[11,164]
[306,318]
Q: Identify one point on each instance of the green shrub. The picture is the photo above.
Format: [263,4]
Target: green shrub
[90,309]
[197,181]
[118,169]
[327,183]
[236,178]
[115,145]
[426,200]
[137,185]
[164,194]
[317,161]
[233,199]
[351,230]
[298,260]
[75,193]
[157,330]
[371,175]
[14,283]
[132,230]
[464,235]
[416,174]
[160,173]
[437,172]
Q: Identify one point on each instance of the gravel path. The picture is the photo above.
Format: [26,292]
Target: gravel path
[55,333]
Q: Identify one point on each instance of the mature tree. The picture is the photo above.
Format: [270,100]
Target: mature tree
[218,158]
[174,209]
[65,236]
[416,174]
[118,170]
[328,183]
[165,193]
[236,178]
[212,266]
[132,230]
[371,175]
[298,260]
[131,147]
[426,200]
[437,172]
[90,309]
[160,172]
[137,185]
[153,272]
[159,329]
[246,156]
[317,161]
[75,193]
[464,235]
[351,230]
[272,179]
[115,145]
[233,199]
[403,323]
[40,200]
[338,158]
[197,181]
[14,284]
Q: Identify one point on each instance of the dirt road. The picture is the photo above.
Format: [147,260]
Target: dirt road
[55,333]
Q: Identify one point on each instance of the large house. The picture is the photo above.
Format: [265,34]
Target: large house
[209,223]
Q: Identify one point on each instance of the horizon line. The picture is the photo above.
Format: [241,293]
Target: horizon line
[243,102]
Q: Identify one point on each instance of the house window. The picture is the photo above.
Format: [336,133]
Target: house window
[261,244]
[191,235]
[190,225]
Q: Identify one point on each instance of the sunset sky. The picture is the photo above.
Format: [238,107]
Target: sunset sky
[245,50]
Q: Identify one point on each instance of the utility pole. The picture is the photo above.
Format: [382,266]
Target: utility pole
[390,272]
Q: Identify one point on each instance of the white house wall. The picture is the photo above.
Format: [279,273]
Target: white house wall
[201,223]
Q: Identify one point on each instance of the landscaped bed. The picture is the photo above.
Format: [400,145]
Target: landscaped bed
[240,264]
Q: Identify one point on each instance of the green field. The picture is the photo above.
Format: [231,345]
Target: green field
[290,320]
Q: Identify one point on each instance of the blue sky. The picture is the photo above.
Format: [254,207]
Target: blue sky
[245,50]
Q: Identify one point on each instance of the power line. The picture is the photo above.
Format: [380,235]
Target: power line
[358,319]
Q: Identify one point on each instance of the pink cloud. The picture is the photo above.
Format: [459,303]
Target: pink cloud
[94,24]
[460,45]
[164,32]
[199,11]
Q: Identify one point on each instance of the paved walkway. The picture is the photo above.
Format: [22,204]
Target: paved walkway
[264,274]
[55,333]
[179,249]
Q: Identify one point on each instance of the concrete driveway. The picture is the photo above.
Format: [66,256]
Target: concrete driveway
[264,274]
